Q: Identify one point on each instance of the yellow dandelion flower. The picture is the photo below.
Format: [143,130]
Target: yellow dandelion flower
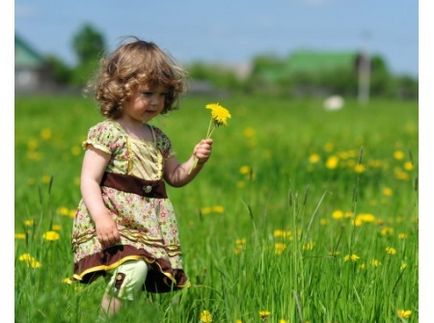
[375,263]
[29,222]
[400,174]
[263,314]
[309,245]
[205,210]
[337,214]
[408,166]
[75,150]
[387,191]
[249,133]
[404,314]
[314,158]
[63,211]
[279,248]
[67,281]
[278,233]
[218,209]
[72,213]
[386,231]
[323,221]
[238,321]
[353,258]
[364,218]
[46,133]
[398,154]
[332,162]
[245,170]
[51,236]
[205,317]
[32,144]
[46,179]
[359,168]
[390,251]
[219,114]
[20,236]
[328,147]
[362,266]
[29,260]
[402,236]
[283,321]
[34,155]
[56,227]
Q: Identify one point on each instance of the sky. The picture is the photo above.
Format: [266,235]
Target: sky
[230,31]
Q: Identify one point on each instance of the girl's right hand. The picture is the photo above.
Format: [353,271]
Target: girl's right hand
[107,231]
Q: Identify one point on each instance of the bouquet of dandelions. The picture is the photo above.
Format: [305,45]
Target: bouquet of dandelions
[219,117]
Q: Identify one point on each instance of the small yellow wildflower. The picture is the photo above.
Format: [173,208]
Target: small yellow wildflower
[387,191]
[309,245]
[403,265]
[32,144]
[241,184]
[283,321]
[51,236]
[245,170]
[20,236]
[364,218]
[263,314]
[238,321]
[375,263]
[328,147]
[205,210]
[218,209]
[205,317]
[404,314]
[28,222]
[67,281]
[337,214]
[56,227]
[359,168]
[279,248]
[408,166]
[29,260]
[63,211]
[398,154]
[400,174]
[219,114]
[314,158]
[386,231]
[46,133]
[75,150]
[402,236]
[362,266]
[390,251]
[332,162]
[249,133]
[323,221]
[46,179]
[353,257]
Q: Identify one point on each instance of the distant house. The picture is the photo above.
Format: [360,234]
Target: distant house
[31,72]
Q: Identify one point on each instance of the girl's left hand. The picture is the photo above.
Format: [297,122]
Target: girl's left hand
[202,151]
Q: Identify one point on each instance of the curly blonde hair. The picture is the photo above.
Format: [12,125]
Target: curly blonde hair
[133,64]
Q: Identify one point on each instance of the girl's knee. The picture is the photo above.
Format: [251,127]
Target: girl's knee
[128,279]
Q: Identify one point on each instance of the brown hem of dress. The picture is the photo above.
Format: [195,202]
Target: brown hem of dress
[161,276]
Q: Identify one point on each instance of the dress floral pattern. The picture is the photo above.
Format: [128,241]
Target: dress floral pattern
[147,226]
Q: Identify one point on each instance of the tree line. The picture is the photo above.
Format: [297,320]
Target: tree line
[266,74]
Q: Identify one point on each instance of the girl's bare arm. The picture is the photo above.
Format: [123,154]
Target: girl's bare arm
[94,164]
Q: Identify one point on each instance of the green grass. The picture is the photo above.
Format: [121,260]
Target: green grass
[276,246]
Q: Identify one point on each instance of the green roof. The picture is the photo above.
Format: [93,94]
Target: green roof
[25,55]
[320,61]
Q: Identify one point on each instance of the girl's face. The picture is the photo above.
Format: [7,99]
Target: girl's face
[145,104]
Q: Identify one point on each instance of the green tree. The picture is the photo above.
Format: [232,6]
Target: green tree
[89,45]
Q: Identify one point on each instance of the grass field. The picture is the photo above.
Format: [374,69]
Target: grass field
[301,215]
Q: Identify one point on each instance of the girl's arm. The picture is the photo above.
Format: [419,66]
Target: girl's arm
[94,164]
[177,174]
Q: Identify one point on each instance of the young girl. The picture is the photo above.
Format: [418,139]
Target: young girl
[125,227]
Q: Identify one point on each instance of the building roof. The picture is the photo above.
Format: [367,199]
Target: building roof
[25,55]
[320,61]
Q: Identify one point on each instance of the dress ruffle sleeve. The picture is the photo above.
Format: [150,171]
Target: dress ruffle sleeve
[163,143]
[103,136]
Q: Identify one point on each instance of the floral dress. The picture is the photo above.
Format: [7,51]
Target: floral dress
[147,225]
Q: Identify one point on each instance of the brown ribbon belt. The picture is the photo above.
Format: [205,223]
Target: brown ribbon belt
[132,184]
